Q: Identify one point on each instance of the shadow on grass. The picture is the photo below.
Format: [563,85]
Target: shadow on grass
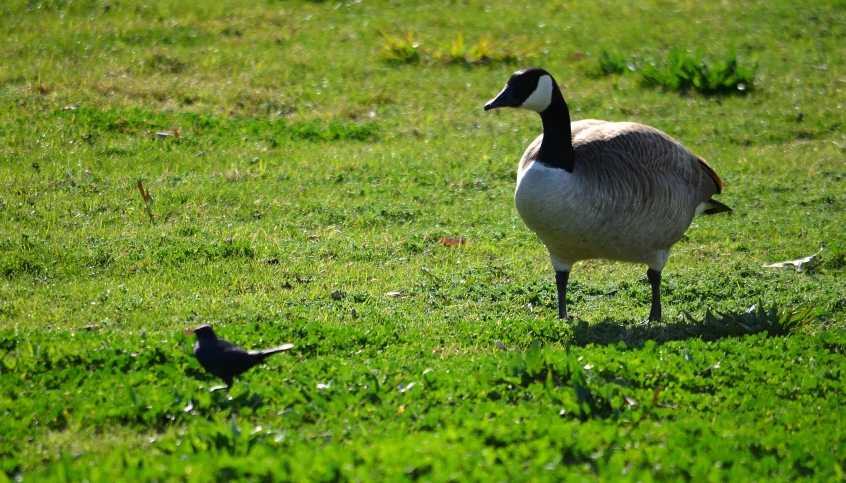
[775,321]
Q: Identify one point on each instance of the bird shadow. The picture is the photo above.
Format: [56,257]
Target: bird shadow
[710,327]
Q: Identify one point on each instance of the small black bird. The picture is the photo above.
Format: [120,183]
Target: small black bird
[225,359]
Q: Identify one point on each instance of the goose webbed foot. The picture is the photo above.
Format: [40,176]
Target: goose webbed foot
[654,277]
[561,278]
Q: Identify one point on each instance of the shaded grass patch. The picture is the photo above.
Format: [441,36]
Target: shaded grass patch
[775,320]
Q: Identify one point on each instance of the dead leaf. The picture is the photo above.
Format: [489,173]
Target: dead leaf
[451,241]
[800,264]
[631,402]
[500,345]
[393,294]
[336,295]
[576,56]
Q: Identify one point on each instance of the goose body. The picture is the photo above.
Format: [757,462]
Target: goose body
[609,190]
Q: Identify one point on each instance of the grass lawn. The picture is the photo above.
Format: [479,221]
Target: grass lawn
[311,166]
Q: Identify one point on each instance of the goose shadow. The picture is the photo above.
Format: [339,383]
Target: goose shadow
[708,328]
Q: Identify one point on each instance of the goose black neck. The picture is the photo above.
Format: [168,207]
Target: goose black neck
[556,150]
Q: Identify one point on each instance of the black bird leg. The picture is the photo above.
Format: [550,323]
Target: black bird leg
[655,280]
[561,278]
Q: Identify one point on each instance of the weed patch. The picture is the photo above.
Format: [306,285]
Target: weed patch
[407,49]
[400,49]
[683,72]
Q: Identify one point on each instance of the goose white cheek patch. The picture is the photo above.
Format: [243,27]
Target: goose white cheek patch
[541,97]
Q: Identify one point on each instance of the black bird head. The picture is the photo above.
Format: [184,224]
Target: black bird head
[531,89]
[203,332]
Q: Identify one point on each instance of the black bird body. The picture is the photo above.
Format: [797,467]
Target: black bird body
[225,359]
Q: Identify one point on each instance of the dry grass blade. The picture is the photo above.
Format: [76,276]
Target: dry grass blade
[661,405]
[431,275]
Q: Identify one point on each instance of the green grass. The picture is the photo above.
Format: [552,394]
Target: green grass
[294,162]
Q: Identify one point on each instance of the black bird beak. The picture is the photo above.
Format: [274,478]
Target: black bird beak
[503,99]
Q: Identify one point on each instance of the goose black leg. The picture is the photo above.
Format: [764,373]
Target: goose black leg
[561,278]
[655,280]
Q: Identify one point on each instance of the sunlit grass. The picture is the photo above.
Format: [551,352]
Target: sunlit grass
[324,174]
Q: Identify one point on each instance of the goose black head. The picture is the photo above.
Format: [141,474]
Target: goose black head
[203,332]
[532,89]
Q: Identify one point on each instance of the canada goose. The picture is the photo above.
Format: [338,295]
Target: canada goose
[597,189]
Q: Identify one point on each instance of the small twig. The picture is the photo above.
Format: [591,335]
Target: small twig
[148,200]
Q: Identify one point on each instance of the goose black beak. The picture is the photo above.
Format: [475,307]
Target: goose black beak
[503,99]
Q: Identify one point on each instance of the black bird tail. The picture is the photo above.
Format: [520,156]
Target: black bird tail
[266,352]
[712,207]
